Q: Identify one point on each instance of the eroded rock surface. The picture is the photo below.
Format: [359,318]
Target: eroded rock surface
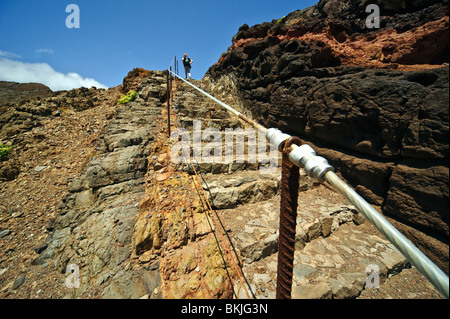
[94,228]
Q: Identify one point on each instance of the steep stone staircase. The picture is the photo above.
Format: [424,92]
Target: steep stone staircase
[338,253]
[134,226]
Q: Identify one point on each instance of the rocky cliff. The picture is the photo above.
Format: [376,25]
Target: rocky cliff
[372,101]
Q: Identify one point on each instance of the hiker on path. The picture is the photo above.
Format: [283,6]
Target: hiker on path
[187,66]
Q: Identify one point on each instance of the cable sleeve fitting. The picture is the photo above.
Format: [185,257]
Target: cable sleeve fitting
[306,158]
[276,138]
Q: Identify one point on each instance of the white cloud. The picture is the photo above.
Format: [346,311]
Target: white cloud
[48,51]
[21,72]
[6,54]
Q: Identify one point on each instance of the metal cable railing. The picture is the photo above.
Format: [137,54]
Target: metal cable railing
[317,167]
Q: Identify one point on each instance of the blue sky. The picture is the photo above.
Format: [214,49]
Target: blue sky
[116,36]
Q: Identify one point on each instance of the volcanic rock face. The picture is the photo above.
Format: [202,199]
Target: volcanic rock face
[409,33]
[374,102]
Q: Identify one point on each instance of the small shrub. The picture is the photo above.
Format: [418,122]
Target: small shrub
[4,150]
[281,20]
[130,96]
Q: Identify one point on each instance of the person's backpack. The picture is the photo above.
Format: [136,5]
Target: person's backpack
[186,61]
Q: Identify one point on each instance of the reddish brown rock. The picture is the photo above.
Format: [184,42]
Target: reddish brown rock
[133,79]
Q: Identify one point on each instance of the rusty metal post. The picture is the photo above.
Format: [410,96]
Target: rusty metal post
[175,64]
[288,220]
[168,101]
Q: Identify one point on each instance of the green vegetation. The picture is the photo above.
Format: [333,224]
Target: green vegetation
[130,96]
[4,150]
[281,20]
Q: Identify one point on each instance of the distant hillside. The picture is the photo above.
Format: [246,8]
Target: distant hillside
[12,92]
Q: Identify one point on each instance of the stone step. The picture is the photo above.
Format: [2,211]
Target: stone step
[334,246]
[332,240]
[204,166]
[196,108]
[340,266]
[191,106]
[187,122]
[219,167]
[231,136]
[190,102]
[241,187]
[253,228]
[234,133]
[263,212]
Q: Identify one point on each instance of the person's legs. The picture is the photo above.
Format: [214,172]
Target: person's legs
[189,71]
[186,71]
